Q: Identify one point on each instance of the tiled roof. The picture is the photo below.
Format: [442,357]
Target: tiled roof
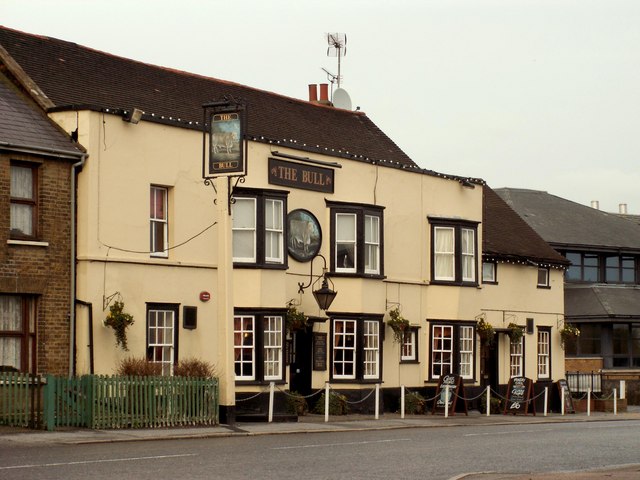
[25,127]
[598,302]
[564,223]
[70,74]
[506,236]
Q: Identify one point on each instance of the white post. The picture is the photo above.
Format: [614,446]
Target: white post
[271,392]
[326,402]
[588,402]
[562,401]
[546,400]
[402,401]
[377,401]
[623,389]
[446,401]
[488,400]
[615,401]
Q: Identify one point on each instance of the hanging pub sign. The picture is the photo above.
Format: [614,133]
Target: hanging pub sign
[225,155]
[297,175]
[455,391]
[519,392]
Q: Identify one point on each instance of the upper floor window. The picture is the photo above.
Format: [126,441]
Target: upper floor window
[24,200]
[356,240]
[259,228]
[158,222]
[489,272]
[602,267]
[453,248]
[543,277]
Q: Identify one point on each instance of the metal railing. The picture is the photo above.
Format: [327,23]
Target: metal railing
[580,382]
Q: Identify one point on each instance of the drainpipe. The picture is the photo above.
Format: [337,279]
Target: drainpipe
[72,301]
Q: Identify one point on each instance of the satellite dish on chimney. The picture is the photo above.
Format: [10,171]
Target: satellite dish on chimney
[341,99]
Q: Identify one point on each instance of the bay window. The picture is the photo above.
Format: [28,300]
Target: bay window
[258,339]
[356,350]
[452,350]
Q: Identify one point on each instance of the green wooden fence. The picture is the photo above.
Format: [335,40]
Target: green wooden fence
[21,400]
[107,402]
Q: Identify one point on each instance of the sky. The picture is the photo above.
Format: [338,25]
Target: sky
[538,94]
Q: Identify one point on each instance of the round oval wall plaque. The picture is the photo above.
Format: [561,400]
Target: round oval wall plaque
[304,236]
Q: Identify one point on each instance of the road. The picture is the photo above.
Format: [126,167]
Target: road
[431,453]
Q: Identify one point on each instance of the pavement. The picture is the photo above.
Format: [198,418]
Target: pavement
[316,424]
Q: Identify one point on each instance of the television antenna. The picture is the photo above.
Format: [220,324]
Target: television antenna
[337,48]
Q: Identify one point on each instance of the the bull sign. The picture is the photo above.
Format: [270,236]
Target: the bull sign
[225,144]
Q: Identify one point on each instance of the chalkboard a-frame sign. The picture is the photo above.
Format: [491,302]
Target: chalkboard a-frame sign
[563,389]
[456,391]
[519,392]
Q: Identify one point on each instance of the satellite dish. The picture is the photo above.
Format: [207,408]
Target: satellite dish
[341,99]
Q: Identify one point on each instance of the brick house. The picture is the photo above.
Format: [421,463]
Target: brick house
[36,167]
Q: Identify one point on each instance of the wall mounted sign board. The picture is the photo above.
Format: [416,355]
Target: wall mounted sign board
[304,236]
[297,175]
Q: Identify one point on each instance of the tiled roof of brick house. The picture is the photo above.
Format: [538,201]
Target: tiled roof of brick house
[75,77]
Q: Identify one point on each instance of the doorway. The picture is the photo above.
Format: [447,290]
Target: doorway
[489,365]
[301,361]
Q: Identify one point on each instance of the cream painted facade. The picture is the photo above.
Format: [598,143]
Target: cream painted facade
[113,259]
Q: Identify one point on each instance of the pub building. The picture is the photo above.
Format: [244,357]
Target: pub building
[310,204]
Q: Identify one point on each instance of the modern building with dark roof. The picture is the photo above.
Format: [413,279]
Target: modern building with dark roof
[602,285]
[316,198]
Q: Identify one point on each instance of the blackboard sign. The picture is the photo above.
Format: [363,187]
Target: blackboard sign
[563,389]
[456,390]
[519,392]
[319,351]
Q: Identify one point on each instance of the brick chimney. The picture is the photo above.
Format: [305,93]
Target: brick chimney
[313,93]
[324,94]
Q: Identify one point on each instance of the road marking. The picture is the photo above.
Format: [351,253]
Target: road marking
[85,462]
[316,445]
[504,432]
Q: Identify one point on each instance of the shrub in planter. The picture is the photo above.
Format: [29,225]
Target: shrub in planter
[119,321]
[495,407]
[138,367]
[194,367]
[398,324]
[414,403]
[516,332]
[297,404]
[485,331]
[337,404]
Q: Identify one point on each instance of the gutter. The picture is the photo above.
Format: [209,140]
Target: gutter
[36,150]
[72,294]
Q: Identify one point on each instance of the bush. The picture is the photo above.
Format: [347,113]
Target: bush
[414,403]
[297,404]
[337,404]
[193,367]
[138,367]
[495,408]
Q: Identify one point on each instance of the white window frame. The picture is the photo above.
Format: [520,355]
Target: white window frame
[516,358]
[274,230]
[341,344]
[156,219]
[545,280]
[347,241]
[162,337]
[468,252]
[371,349]
[249,228]
[466,342]
[489,272]
[440,253]
[438,344]
[272,347]
[544,354]
[242,346]
[372,244]
[408,350]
